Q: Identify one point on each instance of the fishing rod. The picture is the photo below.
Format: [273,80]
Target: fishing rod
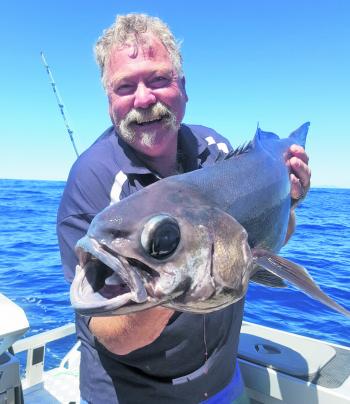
[59,102]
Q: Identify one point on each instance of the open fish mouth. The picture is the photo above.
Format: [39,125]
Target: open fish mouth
[106,282]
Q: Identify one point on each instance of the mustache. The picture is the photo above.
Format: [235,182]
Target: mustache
[155,112]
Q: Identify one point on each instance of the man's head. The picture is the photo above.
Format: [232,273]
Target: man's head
[129,30]
[141,70]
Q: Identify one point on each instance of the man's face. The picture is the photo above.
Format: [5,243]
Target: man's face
[146,97]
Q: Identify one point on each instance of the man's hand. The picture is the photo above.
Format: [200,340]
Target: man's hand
[300,175]
[124,334]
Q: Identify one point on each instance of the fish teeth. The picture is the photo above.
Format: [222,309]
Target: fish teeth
[114,279]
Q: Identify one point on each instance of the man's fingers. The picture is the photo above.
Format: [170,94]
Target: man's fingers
[296,190]
[299,152]
[301,171]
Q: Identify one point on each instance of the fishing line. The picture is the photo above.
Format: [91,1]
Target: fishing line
[59,102]
[205,351]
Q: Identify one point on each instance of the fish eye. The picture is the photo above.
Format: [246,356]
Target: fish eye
[160,236]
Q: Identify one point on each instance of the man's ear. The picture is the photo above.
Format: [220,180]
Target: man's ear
[183,84]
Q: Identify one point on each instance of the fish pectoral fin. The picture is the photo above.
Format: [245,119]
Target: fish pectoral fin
[267,278]
[297,275]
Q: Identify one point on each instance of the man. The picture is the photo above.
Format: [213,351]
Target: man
[157,355]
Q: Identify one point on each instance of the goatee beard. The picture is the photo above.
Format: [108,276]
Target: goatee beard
[139,116]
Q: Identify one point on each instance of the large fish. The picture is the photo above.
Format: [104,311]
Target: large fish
[193,241]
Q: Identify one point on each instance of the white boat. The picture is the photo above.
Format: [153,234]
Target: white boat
[277,366]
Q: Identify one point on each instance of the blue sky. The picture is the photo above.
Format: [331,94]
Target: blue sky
[279,63]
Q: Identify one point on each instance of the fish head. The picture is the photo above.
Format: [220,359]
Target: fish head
[161,244]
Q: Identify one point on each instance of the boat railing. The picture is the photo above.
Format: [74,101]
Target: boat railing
[35,346]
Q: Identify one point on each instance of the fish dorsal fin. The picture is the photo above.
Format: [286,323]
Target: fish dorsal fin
[295,274]
[267,278]
[299,135]
[244,148]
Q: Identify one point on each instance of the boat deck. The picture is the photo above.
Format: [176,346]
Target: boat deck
[277,367]
[60,385]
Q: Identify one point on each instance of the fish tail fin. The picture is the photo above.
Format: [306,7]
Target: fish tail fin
[300,134]
[262,134]
[297,275]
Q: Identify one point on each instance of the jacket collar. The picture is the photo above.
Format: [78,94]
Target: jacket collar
[190,147]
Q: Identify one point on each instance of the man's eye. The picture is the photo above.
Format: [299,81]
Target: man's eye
[124,89]
[159,82]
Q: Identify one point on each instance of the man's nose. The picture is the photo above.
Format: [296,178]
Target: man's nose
[144,96]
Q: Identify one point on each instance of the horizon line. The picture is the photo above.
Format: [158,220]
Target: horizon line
[313,186]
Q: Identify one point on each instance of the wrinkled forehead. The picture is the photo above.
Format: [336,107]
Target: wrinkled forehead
[145,46]
[136,51]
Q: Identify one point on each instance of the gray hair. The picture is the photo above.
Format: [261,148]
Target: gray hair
[128,30]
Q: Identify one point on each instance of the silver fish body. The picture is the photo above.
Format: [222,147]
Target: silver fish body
[192,242]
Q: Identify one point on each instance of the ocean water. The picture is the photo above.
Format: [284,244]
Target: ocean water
[30,269]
